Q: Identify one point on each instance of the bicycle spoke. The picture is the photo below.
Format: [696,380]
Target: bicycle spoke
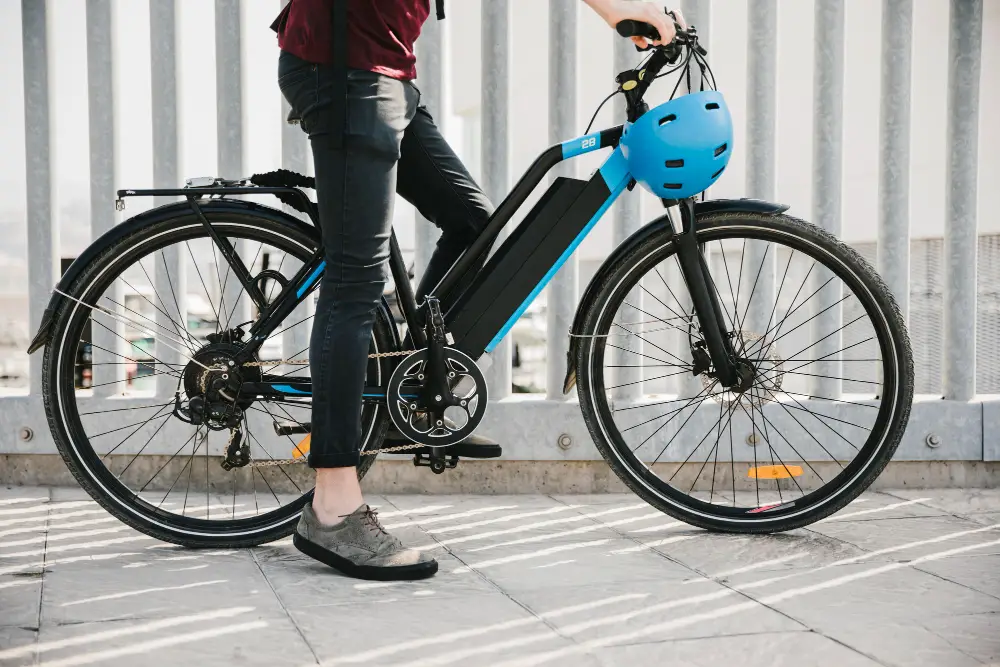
[139,424]
[187,466]
[105,384]
[715,465]
[672,326]
[680,365]
[755,398]
[679,429]
[672,412]
[185,343]
[140,407]
[152,283]
[281,468]
[292,326]
[172,457]
[746,311]
[259,472]
[201,279]
[642,355]
[658,377]
[697,447]
[142,449]
[767,439]
[243,288]
[808,432]
[799,406]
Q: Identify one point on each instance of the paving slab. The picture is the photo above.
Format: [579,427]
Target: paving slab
[242,636]
[896,578]
[962,502]
[786,649]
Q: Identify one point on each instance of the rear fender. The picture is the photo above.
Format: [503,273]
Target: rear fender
[132,225]
[660,226]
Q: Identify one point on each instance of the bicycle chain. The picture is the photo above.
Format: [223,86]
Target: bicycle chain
[302,362]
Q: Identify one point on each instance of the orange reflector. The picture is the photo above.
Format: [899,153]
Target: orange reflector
[774,472]
[302,448]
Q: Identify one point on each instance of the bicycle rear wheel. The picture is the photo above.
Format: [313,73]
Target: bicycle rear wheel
[112,382]
[832,376]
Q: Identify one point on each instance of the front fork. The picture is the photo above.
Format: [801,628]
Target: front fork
[707,308]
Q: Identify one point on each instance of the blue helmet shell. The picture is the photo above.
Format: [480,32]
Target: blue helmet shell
[681,147]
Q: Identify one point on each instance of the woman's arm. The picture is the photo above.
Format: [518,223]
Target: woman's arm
[614,11]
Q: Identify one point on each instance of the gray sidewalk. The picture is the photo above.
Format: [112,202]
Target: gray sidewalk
[897,578]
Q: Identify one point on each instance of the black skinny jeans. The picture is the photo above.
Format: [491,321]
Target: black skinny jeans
[392,146]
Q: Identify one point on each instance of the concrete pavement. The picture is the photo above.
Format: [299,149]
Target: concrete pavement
[897,578]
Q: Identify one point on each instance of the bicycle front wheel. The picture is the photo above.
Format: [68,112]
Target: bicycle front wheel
[831,387]
[127,361]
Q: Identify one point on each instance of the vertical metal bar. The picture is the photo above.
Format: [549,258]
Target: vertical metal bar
[293,157]
[43,235]
[169,276]
[229,130]
[965,41]
[828,95]
[894,150]
[495,105]
[627,219]
[698,13]
[562,290]
[432,79]
[108,371]
[756,301]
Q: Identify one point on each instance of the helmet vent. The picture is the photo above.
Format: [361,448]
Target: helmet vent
[674,163]
[712,105]
[716,174]
[672,186]
[721,149]
[667,119]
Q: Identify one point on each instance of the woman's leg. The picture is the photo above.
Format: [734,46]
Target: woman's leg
[355,187]
[434,180]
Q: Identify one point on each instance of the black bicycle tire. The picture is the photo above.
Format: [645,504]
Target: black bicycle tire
[590,401]
[173,226]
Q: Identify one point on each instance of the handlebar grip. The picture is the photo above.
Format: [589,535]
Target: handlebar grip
[632,28]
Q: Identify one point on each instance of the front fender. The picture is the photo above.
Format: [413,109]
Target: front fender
[134,224]
[661,225]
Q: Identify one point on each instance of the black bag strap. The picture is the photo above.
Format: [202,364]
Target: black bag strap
[339,45]
[440,9]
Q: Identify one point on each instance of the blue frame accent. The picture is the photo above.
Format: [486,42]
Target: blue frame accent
[289,389]
[616,175]
[311,279]
[580,145]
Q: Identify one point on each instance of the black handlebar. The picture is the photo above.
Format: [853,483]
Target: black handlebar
[632,28]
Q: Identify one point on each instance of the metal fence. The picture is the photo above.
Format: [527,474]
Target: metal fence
[934,281]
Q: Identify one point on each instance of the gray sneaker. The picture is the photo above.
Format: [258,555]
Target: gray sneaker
[360,547]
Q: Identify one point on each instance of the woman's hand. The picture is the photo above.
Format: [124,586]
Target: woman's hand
[615,11]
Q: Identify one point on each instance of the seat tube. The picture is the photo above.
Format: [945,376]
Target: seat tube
[706,304]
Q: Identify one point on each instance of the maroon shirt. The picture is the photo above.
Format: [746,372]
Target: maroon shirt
[380,33]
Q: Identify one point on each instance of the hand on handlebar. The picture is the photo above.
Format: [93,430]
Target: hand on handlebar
[616,11]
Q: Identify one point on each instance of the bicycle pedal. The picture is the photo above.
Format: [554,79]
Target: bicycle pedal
[437,463]
[292,428]
[463,450]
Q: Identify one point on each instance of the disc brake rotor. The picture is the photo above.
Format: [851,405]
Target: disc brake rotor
[768,371]
[437,428]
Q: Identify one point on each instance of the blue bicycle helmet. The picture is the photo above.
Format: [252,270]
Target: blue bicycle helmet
[681,147]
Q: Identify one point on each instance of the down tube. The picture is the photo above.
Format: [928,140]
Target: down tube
[616,176]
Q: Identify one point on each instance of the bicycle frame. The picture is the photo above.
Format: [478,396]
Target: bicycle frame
[500,290]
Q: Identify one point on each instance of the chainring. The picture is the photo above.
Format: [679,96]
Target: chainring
[437,429]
